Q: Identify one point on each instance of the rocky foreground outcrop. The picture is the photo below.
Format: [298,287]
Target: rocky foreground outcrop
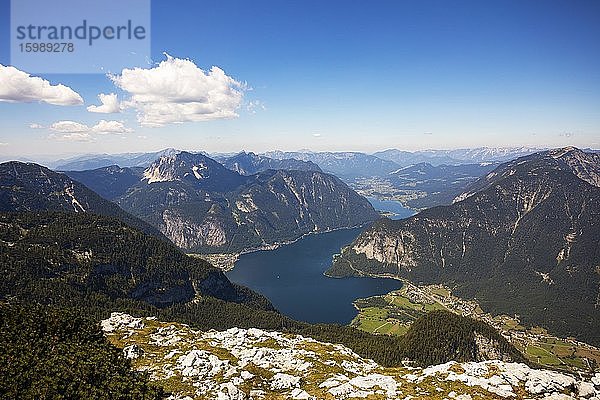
[241,364]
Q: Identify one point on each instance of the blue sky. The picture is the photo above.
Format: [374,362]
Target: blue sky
[355,75]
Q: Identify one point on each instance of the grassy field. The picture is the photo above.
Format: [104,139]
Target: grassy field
[561,354]
[393,313]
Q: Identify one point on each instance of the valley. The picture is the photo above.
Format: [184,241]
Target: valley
[422,185]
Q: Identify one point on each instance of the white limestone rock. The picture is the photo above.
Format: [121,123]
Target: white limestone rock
[284,381]
[387,383]
[346,390]
[200,363]
[227,365]
[586,389]
[596,380]
[245,375]
[120,321]
[229,391]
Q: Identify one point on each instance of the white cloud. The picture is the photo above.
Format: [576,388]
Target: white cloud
[19,87]
[316,134]
[2,144]
[110,104]
[36,126]
[69,127]
[178,91]
[255,105]
[107,127]
[71,130]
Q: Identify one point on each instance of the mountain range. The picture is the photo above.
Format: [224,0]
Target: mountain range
[248,163]
[457,156]
[345,165]
[202,206]
[332,162]
[523,240]
[384,175]
[93,161]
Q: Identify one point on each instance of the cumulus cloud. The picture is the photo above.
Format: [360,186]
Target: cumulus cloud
[110,127]
[110,104]
[19,87]
[177,91]
[71,130]
[69,127]
[36,126]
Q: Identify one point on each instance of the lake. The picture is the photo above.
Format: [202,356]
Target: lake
[391,206]
[292,278]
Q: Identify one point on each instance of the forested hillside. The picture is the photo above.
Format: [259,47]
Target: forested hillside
[54,353]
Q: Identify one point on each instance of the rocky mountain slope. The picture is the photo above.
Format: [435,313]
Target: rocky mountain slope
[202,206]
[257,364]
[525,241]
[251,163]
[32,187]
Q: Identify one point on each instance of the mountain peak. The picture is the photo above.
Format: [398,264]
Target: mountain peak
[561,152]
[177,166]
[194,168]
